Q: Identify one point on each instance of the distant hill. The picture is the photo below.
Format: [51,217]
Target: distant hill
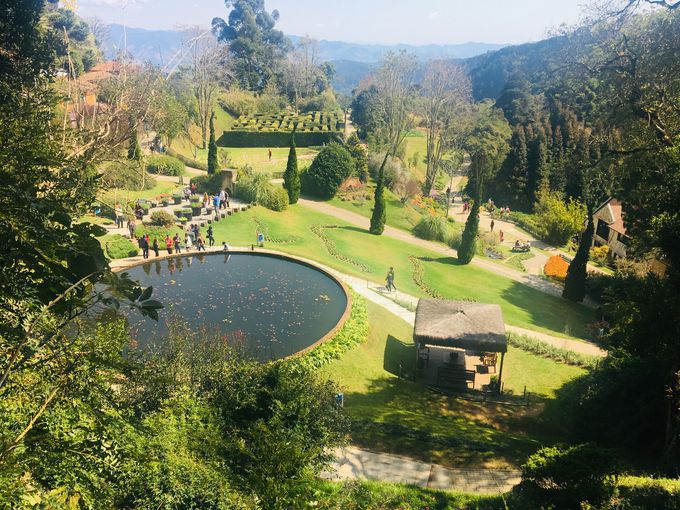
[371,53]
[155,46]
[534,61]
[489,65]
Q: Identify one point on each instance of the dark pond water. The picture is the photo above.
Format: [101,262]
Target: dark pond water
[272,306]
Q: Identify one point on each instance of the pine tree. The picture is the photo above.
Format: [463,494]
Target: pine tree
[213,163]
[575,284]
[558,177]
[538,169]
[518,171]
[468,243]
[291,177]
[379,216]
[134,149]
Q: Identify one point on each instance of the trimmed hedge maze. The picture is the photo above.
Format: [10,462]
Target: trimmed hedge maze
[260,130]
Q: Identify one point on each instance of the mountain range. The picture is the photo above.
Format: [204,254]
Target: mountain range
[489,65]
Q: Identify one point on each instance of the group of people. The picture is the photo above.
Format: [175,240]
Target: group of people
[219,200]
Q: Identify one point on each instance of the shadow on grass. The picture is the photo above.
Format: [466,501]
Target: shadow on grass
[399,357]
[353,229]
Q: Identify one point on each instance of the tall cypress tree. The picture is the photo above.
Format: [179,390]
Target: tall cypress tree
[468,243]
[291,177]
[538,169]
[379,216]
[213,163]
[575,284]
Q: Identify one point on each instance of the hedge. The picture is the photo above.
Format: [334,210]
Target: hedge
[211,183]
[276,138]
[164,165]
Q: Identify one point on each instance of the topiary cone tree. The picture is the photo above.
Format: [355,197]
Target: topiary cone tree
[577,274]
[134,149]
[379,216]
[468,242]
[291,177]
[213,163]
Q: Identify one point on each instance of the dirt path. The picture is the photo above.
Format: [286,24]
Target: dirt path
[532,281]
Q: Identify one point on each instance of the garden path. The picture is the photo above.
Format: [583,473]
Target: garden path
[532,281]
[355,464]
[512,233]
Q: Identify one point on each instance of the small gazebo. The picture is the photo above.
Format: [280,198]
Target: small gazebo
[458,330]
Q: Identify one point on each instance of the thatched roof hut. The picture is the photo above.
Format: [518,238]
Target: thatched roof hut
[463,324]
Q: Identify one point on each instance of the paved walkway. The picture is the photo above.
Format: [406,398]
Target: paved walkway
[532,281]
[355,464]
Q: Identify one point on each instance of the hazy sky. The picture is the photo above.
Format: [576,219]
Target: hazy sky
[366,21]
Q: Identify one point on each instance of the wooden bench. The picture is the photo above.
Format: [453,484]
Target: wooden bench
[489,359]
[455,377]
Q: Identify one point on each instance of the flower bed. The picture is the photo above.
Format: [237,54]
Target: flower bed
[556,267]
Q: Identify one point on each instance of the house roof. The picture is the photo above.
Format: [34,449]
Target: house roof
[462,324]
[612,213]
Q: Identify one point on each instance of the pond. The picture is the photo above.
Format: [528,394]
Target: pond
[273,306]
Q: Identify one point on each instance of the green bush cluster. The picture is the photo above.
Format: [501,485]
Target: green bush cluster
[313,121]
[119,247]
[257,188]
[277,200]
[162,219]
[432,228]
[210,183]
[125,175]
[567,477]
[329,169]
[545,350]
[164,165]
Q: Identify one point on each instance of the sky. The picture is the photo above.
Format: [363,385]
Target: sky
[415,22]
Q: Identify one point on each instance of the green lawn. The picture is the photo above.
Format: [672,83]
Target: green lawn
[126,196]
[403,216]
[357,252]
[481,434]
[416,141]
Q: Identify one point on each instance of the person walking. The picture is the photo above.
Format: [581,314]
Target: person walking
[187,242]
[169,244]
[216,204]
[200,245]
[226,198]
[501,236]
[270,154]
[209,235]
[144,245]
[156,248]
[132,226]
[493,224]
[178,243]
[120,219]
[390,280]
[223,199]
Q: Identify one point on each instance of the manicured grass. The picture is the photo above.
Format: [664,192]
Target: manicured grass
[399,215]
[371,256]
[416,141]
[484,434]
[126,196]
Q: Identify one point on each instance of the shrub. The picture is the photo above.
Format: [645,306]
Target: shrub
[125,175]
[277,200]
[556,267]
[162,219]
[600,254]
[119,247]
[432,228]
[210,183]
[454,239]
[164,165]
[558,221]
[566,477]
[255,188]
[291,177]
[639,493]
[545,350]
[468,242]
[330,168]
